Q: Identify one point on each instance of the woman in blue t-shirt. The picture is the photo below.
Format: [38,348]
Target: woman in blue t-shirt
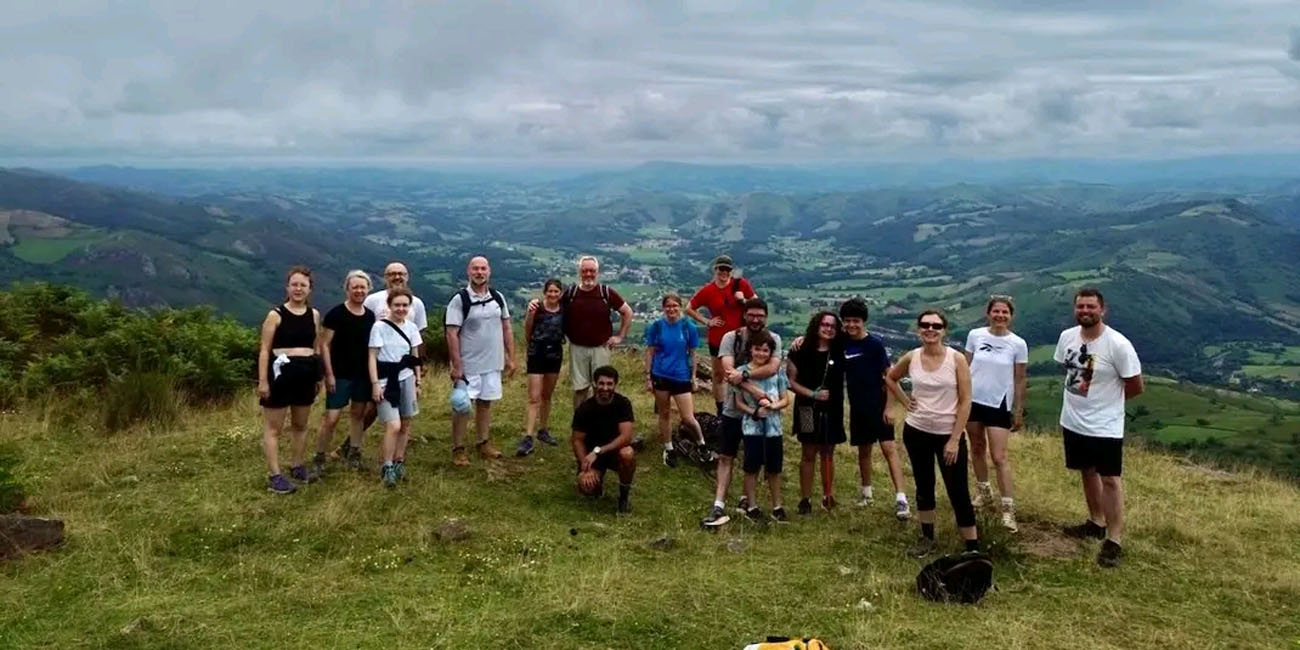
[670,344]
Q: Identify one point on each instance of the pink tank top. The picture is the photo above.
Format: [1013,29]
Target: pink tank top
[934,394]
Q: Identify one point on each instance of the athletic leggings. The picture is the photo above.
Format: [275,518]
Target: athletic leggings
[926,449]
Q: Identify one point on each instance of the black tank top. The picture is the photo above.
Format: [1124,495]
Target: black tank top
[294,330]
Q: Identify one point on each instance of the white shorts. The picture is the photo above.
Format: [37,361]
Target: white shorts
[484,387]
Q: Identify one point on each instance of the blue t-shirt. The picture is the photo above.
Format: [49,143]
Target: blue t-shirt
[774,387]
[673,343]
[865,361]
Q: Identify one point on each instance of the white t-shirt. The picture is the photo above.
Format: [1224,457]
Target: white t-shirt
[1094,381]
[391,346]
[993,366]
[482,342]
[378,303]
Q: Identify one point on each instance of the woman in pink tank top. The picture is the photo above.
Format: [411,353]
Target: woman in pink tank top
[935,425]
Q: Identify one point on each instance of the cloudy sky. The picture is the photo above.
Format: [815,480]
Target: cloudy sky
[594,81]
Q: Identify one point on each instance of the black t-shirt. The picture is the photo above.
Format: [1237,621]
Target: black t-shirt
[350,345]
[820,369]
[600,421]
[865,361]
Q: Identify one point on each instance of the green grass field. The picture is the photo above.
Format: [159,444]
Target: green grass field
[1290,373]
[49,251]
[174,543]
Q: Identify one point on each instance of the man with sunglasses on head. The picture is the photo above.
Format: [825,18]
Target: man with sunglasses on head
[1102,370]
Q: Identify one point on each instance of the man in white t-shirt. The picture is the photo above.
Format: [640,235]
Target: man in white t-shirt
[396,275]
[1102,370]
[480,346]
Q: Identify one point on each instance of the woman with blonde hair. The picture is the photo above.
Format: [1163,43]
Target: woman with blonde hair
[344,346]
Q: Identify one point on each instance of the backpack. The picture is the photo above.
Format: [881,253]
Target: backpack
[961,578]
[786,643]
[572,292]
[466,302]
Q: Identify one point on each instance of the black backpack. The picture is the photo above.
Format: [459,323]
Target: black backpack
[466,302]
[961,578]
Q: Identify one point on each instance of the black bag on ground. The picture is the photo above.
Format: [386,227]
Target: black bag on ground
[961,578]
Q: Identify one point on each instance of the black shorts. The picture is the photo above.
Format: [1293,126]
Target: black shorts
[730,433]
[1105,455]
[603,463]
[990,416]
[869,428]
[671,386]
[763,452]
[540,365]
[296,384]
[713,350]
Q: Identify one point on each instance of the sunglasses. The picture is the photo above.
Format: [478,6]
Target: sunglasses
[929,325]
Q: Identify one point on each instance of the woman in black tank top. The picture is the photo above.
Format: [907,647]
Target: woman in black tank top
[544,334]
[288,378]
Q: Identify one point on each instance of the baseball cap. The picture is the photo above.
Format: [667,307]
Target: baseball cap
[723,261]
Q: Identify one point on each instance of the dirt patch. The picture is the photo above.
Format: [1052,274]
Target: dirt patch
[1044,539]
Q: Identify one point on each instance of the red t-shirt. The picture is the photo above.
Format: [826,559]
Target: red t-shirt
[721,302]
[587,318]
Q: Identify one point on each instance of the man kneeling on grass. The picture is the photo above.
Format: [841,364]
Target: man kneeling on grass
[602,438]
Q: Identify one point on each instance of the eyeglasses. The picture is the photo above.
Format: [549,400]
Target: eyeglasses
[930,325]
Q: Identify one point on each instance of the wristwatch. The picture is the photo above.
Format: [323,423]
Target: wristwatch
[596,450]
[744,374]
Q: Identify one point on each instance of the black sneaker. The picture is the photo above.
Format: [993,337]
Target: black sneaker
[804,507]
[1086,530]
[354,458]
[670,458]
[525,446]
[624,506]
[923,547]
[717,517]
[1110,554]
[779,516]
[755,514]
[318,463]
[544,436]
[742,505]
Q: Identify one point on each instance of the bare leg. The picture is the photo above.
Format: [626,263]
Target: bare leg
[807,463]
[664,415]
[483,420]
[459,421]
[403,436]
[534,404]
[889,450]
[298,417]
[273,422]
[724,478]
[1112,498]
[978,448]
[864,464]
[719,386]
[626,465]
[392,430]
[686,413]
[548,390]
[358,434]
[774,489]
[327,424]
[1001,463]
[1092,493]
[750,483]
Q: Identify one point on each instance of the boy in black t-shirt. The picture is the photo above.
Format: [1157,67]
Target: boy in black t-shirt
[602,438]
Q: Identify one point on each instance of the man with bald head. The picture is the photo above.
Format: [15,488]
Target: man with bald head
[480,346]
[396,275]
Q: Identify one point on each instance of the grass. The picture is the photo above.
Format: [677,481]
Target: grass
[173,542]
[1290,373]
[48,251]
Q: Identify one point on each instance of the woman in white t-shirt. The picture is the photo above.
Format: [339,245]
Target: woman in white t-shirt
[998,359]
[395,383]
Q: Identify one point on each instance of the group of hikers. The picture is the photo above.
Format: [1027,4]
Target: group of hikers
[367,352]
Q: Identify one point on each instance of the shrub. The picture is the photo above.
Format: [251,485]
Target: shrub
[140,397]
[1202,422]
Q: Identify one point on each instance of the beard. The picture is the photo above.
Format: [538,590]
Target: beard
[1087,320]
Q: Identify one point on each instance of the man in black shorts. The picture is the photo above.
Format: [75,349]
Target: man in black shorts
[734,355]
[1102,370]
[865,363]
[602,438]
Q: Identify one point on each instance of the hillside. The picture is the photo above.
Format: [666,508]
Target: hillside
[174,543]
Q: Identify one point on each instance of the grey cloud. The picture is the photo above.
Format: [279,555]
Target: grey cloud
[1294,50]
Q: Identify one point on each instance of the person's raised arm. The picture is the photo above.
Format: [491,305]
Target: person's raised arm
[264,353]
[896,373]
[953,446]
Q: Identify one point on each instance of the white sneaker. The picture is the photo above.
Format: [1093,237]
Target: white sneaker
[1009,521]
[864,501]
[902,511]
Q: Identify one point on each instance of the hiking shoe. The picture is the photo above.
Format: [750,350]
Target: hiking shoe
[1086,530]
[864,501]
[459,457]
[923,547]
[804,507]
[828,502]
[399,468]
[487,451]
[902,511]
[624,506]
[301,475]
[717,517]
[354,459]
[545,436]
[389,476]
[742,505]
[1110,554]
[1009,521]
[342,451]
[280,485]
[779,516]
[983,496]
[670,458]
[755,514]
[524,447]
[318,463]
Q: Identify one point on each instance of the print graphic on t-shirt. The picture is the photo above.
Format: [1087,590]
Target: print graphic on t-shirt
[988,346]
[1078,370]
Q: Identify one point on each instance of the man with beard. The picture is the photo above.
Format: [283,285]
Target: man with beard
[602,438]
[480,345]
[1101,371]
[395,276]
[733,349]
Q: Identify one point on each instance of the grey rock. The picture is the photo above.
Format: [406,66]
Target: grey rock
[451,530]
[21,534]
